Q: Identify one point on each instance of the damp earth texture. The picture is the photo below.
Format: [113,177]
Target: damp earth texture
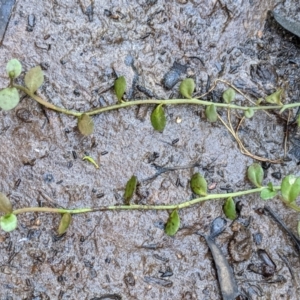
[82,47]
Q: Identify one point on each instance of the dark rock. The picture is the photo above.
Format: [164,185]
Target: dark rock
[76,92]
[291,26]
[173,75]
[6,7]
[276,175]
[218,226]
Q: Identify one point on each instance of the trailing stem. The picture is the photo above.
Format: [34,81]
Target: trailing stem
[34,78]
[193,101]
[141,207]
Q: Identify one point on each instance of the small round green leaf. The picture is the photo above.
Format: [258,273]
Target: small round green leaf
[130,189]
[290,188]
[8,222]
[187,88]
[173,223]
[249,113]
[275,98]
[267,194]
[64,223]
[255,174]
[85,124]
[9,98]
[158,118]
[199,184]
[34,78]
[120,87]
[211,113]
[13,68]
[228,95]
[5,204]
[229,209]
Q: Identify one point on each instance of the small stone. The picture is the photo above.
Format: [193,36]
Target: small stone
[257,237]
[30,22]
[76,92]
[276,175]
[48,178]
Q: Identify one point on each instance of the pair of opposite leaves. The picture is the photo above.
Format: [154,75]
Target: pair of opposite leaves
[34,78]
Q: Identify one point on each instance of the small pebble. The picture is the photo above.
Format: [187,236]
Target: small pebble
[48,178]
[74,154]
[30,22]
[212,186]
[276,175]
[76,92]
[257,238]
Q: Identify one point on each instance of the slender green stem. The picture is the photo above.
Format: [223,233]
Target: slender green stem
[11,82]
[46,103]
[141,207]
[185,101]
[193,101]
[51,210]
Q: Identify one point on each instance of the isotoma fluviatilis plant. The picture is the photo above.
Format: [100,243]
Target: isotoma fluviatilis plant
[34,78]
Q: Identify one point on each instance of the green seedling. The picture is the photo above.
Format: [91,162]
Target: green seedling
[289,188]
[34,78]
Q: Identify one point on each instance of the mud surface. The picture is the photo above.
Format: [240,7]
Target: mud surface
[81,46]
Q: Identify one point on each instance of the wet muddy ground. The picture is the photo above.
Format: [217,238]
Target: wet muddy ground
[81,46]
